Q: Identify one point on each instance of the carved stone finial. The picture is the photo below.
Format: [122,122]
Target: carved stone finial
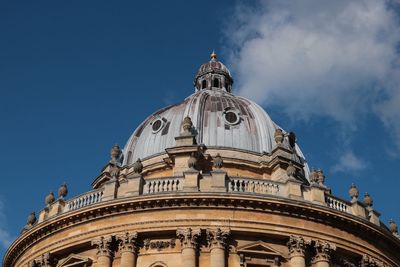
[188,237]
[49,199]
[63,191]
[291,170]
[321,177]
[138,166]
[128,242]
[192,161]
[368,200]
[217,237]
[218,162]
[115,153]
[353,192]
[297,246]
[393,226]
[323,251]
[103,245]
[187,126]
[278,136]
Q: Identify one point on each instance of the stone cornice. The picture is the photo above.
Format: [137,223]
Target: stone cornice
[254,203]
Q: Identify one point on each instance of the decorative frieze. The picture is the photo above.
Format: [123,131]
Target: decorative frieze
[217,237]
[159,245]
[188,237]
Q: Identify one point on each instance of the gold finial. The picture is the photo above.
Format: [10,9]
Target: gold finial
[213,55]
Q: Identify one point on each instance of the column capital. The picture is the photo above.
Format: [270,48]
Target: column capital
[297,246]
[103,245]
[188,237]
[217,237]
[127,242]
[323,251]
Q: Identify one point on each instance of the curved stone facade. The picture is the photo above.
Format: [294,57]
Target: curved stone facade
[195,205]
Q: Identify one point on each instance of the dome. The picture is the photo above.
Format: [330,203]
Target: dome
[220,120]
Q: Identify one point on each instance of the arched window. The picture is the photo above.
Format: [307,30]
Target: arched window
[216,83]
[203,84]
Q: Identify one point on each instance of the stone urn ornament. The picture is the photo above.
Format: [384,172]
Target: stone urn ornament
[291,170]
[368,200]
[353,192]
[31,218]
[115,153]
[321,177]
[138,166]
[278,136]
[393,226]
[63,191]
[50,198]
[187,125]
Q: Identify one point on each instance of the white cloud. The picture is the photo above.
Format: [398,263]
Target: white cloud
[336,59]
[349,162]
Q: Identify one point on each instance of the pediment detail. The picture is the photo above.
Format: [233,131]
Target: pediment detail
[258,247]
[74,260]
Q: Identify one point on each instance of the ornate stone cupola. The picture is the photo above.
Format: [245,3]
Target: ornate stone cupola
[213,75]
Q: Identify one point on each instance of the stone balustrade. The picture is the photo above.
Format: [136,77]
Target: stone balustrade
[245,185]
[233,185]
[162,185]
[337,203]
[83,200]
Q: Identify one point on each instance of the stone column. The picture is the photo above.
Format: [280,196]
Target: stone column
[127,247]
[188,239]
[297,246]
[217,242]
[104,253]
[323,253]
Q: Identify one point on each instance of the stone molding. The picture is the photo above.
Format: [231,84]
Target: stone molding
[200,200]
[217,237]
[297,246]
[323,251]
[127,242]
[188,237]
[103,245]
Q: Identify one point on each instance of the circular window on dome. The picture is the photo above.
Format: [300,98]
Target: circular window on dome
[231,116]
[158,124]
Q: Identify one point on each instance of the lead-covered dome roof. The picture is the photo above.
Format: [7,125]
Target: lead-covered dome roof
[220,120]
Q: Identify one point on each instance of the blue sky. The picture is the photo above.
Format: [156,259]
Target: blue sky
[78,76]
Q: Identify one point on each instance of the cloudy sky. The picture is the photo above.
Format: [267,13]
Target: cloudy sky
[75,78]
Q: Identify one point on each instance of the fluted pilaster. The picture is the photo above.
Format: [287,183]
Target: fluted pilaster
[104,252]
[297,246]
[217,242]
[188,239]
[323,251]
[127,248]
